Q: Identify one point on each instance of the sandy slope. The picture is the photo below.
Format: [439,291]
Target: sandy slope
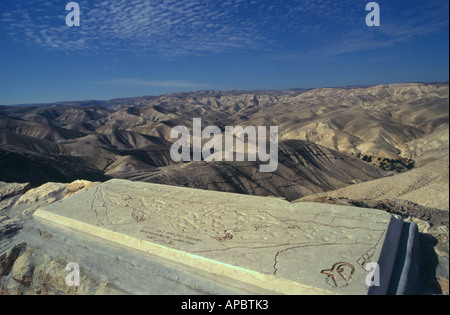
[427,186]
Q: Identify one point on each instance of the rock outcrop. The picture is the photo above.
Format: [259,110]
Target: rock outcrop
[24,270]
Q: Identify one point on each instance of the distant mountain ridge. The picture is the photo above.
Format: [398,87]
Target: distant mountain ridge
[203,93]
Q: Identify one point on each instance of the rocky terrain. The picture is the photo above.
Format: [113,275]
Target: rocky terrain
[382,147]
[24,270]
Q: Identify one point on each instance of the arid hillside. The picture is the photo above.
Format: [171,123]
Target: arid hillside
[328,138]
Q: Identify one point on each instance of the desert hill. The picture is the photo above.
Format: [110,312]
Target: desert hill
[304,168]
[396,126]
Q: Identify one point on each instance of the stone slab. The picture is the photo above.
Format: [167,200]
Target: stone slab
[267,243]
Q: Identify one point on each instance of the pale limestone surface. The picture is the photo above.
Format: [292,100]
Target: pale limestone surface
[301,248]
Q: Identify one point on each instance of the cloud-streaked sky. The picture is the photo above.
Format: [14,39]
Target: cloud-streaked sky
[146,47]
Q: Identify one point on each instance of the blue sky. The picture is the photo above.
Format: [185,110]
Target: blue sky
[126,48]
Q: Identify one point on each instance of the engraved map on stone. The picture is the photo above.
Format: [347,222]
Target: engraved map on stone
[269,236]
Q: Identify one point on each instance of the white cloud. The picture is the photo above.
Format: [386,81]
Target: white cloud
[193,27]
